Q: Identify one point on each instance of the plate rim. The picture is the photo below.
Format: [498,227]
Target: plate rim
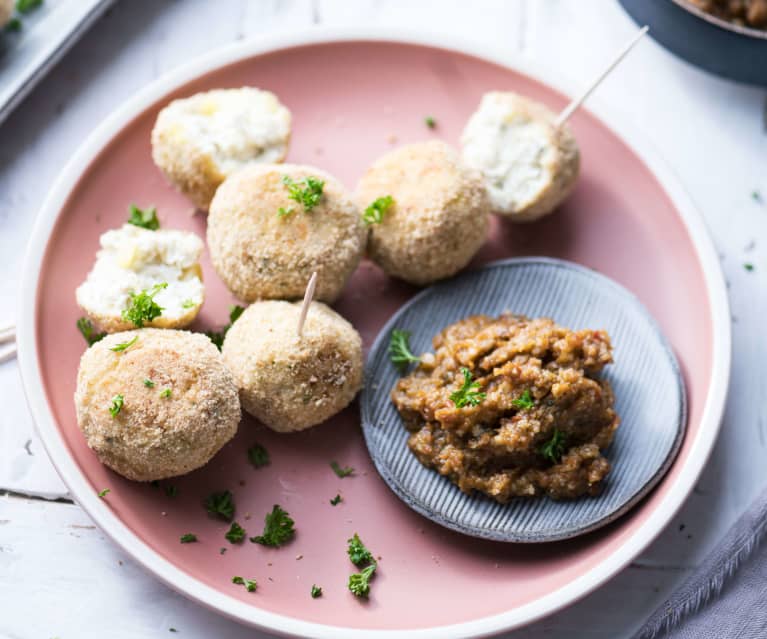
[174,577]
[564,534]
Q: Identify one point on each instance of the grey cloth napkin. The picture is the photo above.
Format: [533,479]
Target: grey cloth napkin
[726,598]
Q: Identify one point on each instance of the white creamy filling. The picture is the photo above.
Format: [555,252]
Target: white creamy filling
[234,127]
[512,150]
[133,259]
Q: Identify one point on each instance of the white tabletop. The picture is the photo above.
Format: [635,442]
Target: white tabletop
[60,577]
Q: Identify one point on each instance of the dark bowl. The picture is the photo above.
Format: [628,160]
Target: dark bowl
[718,46]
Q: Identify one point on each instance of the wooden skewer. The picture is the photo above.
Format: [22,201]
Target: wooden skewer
[308,295]
[8,350]
[571,108]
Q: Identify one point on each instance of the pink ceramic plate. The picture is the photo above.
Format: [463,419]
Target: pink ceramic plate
[352,94]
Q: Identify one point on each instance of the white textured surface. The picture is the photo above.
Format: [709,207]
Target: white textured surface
[58,580]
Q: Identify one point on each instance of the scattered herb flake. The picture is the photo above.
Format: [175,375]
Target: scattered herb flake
[524,401]
[235,534]
[284,212]
[171,490]
[148,383]
[117,405]
[336,500]
[14,25]
[316,591]
[221,505]
[278,528]
[554,448]
[341,472]
[124,346]
[165,393]
[430,122]
[217,337]
[85,326]
[144,218]
[105,492]
[142,307]
[188,538]
[188,304]
[250,584]
[25,6]
[399,350]
[258,455]
[308,195]
[360,556]
[756,196]
[748,266]
[221,550]
[468,394]
[374,213]
[358,553]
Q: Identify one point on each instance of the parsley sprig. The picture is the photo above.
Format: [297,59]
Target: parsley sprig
[144,218]
[221,505]
[258,455]
[188,538]
[217,337]
[235,534]
[142,307]
[341,472]
[468,394]
[124,346]
[85,326]
[360,556]
[316,591]
[250,584]
[524,402]
[308,193]
[336,500]
[117,405]
[278,528]
[374,213]
[399,350]
[554,448]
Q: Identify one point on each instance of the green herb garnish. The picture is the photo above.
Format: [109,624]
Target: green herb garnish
[188,538]
[217,337]
[142,307]
[117,405]
[278,528]
[235,534]
[524,401]
[748,266]
[258,455]
[430,121]
[374,213]
[554,448]
[148,383]
[307,193]
[336,500]
[284,212]
[124,346]
[341,472]
[25,6]
[359,583]
[468,394]
[144,218]
[104,493]
[85,326]
[188,304]
[13,25]
[250,584]
[221,505]
[316,591]
[756,196]
[360,556]
[358,553]
[399,350]
[165,393]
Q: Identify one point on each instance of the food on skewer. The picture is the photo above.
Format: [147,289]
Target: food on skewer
[270,227]
[436,216]
[144,277]
[155,403]
[291,382]
[199,141]
[530,165]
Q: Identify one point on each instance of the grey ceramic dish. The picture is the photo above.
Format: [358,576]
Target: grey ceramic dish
[650,397]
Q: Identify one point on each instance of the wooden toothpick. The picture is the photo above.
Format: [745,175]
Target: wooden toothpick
[571,108]
[308,295]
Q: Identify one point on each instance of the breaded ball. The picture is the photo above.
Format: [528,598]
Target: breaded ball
[198,141]
[288,382]
[265,245]
[530,166]
[6,11]
[161,407]
[438,218]
[164,264]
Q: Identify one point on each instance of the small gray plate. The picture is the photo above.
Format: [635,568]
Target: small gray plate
[649,391]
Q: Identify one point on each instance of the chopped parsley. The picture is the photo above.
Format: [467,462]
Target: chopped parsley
[171,491]
[222,551]
[14,24]
[104,493]
[124,346]
[142,307]
[278,528]
[117,405]
[258,455]
[468,394]
[316,591]
[250,584]
[748,266]
[165,393]
[374,213]
[341,472]
[85,326]
[524,401]
[235,534]
[148,383]
[399,350]
[554,448]
[144,218]
[284,212]
[217,337]
[307,193]
[336,500]
[430,122]
[360,556]
[25,6]
[188,538]
[221,505]
[188,304]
